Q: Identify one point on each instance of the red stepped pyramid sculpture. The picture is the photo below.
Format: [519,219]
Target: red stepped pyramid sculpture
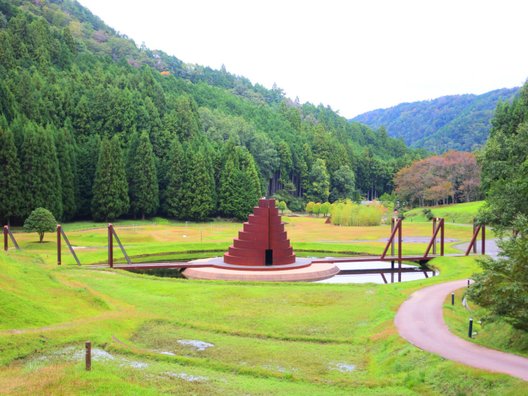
[263,241]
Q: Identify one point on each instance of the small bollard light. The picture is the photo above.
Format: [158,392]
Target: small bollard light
[88,357]
[470,331]
[468,282]
[452,298]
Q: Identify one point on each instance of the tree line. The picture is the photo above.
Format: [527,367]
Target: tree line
[441,179]
[502,286]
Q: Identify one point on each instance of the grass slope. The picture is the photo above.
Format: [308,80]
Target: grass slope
[462,213]
[495,334]
[292,339]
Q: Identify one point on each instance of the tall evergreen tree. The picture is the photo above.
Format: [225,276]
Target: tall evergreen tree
[10,196]
[40,170]
[87,155]
[110,188]
[190,193]
[239,187]
[142,178]
[172,195]
[228,195]
[188,120]
[318,188]
[67,166]
[286,166]
[343,185]
[199,188]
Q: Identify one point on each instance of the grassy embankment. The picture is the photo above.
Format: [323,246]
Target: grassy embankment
[458,213]
[286,338]
[496,334]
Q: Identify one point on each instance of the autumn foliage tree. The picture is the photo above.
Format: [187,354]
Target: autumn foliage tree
[451,177]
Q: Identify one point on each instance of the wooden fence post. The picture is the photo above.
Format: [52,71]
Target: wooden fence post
[399,250]
[59,240]
[442,231]
[6,242]
[110,245]
[88,356]
[483,230]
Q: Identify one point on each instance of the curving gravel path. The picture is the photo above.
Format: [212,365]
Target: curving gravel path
[420,321]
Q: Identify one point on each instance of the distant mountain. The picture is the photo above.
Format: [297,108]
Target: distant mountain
[459,122]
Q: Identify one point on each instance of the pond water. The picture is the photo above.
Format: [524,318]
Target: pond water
[375,278]
[359,278]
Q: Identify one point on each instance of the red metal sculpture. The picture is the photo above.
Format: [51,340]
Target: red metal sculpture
[263,240]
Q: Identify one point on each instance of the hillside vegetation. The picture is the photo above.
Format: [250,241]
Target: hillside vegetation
[94,127]
[458,122]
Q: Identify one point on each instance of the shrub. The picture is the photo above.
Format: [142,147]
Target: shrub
[351,214]
[316,209]
[325,209]
[309,207]
[428,214]
[282,206]
[40,220]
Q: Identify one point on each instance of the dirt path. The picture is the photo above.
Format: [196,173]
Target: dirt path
[420,321]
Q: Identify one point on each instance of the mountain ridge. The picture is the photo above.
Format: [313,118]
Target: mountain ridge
[453,122]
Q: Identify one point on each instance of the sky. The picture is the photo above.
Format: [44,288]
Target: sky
[355,55]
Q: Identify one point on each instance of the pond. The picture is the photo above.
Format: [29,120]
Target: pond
[376,278]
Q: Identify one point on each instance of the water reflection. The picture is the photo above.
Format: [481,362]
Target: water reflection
[375,278]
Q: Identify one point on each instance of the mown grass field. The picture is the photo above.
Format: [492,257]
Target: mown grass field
[286,339]
[160,239]
[458,213]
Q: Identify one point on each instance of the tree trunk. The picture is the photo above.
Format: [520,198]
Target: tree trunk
[41,237]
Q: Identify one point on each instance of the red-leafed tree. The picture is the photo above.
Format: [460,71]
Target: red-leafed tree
[451,177]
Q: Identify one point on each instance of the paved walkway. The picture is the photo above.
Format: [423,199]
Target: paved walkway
[420,321]
[491,247]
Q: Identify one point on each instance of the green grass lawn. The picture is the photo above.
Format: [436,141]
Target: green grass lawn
[463,213]
[160,240]
[496,334]
[289,339]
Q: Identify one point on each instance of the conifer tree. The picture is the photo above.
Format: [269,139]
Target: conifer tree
[228,197]
[187,124]
[200,188]
[87,156]
[142,178]
[110,188]
[66,158]
[239,184]
[40,171]
[318,188]
[10,197]
[172,196]
[286,165]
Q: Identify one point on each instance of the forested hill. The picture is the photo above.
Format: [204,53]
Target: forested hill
[91,126]
[459,122]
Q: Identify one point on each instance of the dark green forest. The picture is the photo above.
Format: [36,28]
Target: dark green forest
[458,122]
[93,126]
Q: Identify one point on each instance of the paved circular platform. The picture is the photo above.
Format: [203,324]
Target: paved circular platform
[301,270]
